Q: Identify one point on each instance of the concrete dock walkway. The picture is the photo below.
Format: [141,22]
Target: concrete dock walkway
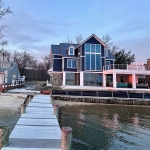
[37,129]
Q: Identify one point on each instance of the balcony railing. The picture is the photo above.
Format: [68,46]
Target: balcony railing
[127,67]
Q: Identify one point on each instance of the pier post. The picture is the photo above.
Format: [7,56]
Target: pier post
[1,133]
[23,109]
[66,137]
[56,107]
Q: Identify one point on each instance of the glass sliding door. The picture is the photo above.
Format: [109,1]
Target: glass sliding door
[92,79]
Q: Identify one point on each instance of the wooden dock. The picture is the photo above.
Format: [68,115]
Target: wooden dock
[37,129]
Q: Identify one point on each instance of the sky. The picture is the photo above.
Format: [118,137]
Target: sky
[36,24]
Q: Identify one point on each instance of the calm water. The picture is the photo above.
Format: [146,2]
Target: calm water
[102,127]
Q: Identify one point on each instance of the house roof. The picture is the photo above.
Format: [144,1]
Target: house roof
[61,49]
[55,49]
[64,47]
[4,69]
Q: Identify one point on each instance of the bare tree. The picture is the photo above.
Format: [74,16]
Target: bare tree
[23,59]
[47,62]
[107,40]
[68,41]
[5,56]
[79,39]
[3,42]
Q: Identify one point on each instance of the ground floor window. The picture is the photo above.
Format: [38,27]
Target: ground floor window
[92,79]
[72,79]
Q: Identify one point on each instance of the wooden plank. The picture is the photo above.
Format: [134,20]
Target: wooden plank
[38,122]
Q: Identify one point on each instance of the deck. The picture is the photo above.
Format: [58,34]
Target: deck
[37,129]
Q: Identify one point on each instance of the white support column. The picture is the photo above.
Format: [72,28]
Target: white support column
[104,80]
[81,78]
[133,81]
[64,78]
[114,80]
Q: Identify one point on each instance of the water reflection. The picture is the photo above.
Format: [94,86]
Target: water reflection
[98,127]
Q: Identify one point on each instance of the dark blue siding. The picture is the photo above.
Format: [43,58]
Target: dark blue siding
[57,56]
[68,69]
[83,50]
[111,62]
[57,64]
[93,41]
[102,51]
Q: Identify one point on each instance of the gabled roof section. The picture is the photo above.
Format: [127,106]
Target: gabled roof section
[5,69]
[65,46]
[71,46]
[98,39]
[110,56]
[55,50]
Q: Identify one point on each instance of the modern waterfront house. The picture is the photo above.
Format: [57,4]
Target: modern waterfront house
[91,64]
[9,73]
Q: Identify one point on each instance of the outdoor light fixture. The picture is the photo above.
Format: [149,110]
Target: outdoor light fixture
[14,76]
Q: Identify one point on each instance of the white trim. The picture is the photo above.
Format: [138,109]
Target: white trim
[70,48]
[71,63]
[71,57]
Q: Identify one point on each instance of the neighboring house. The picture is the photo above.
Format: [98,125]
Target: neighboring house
[9,73]
[91,64]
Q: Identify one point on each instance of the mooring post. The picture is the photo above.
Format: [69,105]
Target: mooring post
[66,138]
[23,109]
[1,133]
[56,107]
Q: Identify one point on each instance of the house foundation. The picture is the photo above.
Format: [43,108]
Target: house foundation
[57,79]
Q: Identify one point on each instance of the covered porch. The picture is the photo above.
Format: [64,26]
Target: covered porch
[127,76]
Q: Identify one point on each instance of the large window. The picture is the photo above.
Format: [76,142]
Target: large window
[92,79]
[72,79]
[71,63]
[92,57]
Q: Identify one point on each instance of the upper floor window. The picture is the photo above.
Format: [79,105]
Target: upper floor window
[71,50]
[106,52]
[71,63]
[93,57]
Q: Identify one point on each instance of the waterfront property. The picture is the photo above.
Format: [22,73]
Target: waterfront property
[91,64]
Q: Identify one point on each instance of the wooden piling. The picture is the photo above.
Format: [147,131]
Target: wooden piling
[66,137]
[56,107]
[23,109]
[1,133]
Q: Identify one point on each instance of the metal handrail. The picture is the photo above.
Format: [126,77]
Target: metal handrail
[127,67]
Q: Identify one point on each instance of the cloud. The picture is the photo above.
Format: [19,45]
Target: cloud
[34,33]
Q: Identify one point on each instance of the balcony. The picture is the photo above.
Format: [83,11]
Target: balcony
[127,67]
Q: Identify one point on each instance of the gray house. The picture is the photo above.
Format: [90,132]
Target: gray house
[9,72]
